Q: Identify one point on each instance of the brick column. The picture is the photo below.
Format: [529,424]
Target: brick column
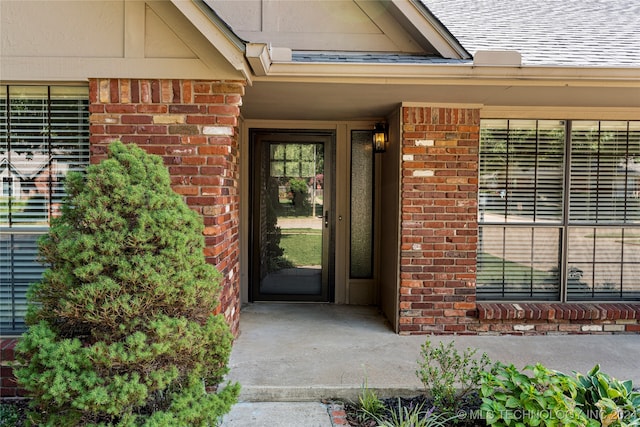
[439,228]
[193,125]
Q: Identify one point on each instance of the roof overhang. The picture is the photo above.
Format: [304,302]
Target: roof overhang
[350,91]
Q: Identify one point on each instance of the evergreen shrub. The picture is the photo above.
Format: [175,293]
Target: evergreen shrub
[121,330]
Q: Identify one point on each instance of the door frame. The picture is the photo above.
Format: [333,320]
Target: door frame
[293,136]
[346,291]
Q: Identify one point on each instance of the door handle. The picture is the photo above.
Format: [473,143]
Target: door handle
[326,219]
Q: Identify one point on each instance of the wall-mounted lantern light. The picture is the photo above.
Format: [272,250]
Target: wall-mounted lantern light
[380,138]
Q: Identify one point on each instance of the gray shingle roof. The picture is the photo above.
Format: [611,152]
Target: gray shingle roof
[548,32]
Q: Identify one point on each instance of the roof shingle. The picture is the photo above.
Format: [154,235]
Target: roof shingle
[602,33]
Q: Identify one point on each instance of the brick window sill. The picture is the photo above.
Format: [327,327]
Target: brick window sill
[488,311]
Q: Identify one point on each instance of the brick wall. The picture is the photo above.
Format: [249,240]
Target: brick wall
[439,229]
[557,318]
[8,384]
[193,125]
[439,233]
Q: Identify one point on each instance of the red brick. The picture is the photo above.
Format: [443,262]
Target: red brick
[155,91]
[146,108]
[227,110]
[152,129]
[632,328]
[120,108]
[114,91]
[136,119]
[200,87]
[201,120]
[120,129]
[187,109]
[208,99]
[135,91]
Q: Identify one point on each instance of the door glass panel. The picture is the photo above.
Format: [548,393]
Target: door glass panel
[292,220]
[361,259]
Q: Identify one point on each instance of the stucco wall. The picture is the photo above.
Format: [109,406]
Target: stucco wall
[75,40]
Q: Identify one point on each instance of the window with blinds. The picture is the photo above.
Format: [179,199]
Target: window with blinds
[44,134]
[558,210]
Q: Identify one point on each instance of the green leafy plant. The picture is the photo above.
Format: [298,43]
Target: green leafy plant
[547,398]
[369,404]
[449,376]
[9,415]
[121,330]
[611,401]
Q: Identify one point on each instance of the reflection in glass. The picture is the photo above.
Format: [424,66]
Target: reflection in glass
[603,263]
[44,134]
[521,170]
[292,203]
[48,138]
[519,263]
[605,172]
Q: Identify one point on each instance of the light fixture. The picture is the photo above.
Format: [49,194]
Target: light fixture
[380,138]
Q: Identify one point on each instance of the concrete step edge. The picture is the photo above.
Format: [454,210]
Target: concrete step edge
[315,393]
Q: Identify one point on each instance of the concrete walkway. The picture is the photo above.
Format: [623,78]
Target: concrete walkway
[301,353]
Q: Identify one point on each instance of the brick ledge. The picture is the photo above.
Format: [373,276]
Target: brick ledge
[558,311]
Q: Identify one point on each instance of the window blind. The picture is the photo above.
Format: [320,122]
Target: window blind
[538,242]
[44,134]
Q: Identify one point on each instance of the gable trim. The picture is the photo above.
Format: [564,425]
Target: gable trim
[435,33]
[205,20]
[405,42]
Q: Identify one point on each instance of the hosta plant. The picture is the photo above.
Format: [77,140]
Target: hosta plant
[610,401]
[121,330]
[546,398]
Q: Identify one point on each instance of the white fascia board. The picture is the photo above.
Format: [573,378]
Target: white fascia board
[458,73]
[230,50]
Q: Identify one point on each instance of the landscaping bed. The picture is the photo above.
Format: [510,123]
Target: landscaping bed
[423,407]
[13,412]
[469,391]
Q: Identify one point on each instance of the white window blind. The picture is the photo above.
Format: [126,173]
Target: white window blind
[44,134]
[559,210]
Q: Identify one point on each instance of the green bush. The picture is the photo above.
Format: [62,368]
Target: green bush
[121,331]
[9,415]
[450,377]
[300,192]
[610,401]
[547,398]
[551,398]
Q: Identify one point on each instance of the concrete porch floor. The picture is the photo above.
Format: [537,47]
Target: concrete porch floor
[290,352]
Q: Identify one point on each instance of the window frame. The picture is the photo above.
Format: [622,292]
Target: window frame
[63,141]
[566,224]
